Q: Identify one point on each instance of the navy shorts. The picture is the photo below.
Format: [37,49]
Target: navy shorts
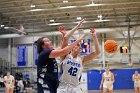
[48,87]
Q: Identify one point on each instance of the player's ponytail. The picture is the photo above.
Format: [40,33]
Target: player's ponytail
[39,44]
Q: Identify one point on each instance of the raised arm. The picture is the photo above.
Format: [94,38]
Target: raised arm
[92,55]
[102,82]
[69,34]
[66,36]
[63,33]
[63,51]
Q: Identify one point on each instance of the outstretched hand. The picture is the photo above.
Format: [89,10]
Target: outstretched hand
[92,31]
[80,23]
[62,29]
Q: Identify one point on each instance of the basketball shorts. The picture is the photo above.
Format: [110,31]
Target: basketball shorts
[137,84]
[8,86]
[108,85]
[47,87]
[66,88]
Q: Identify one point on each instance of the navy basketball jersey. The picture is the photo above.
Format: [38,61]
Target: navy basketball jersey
[47,72]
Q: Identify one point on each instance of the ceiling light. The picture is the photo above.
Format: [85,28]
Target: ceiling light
[6,27]
[100,17]
[32,6]
[68,7]
[36,10]
[53,24]
[100,20]
[79,18]
[52,20]
[2,25]
[65,1]
[95,5]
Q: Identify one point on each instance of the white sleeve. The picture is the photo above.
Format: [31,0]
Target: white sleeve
[133,76]
[104,74]
[4,79]
[12,77]
[18,84]
[139,75]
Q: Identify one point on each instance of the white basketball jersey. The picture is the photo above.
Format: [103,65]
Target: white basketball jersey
[107,78]
[136,78]
[71,69]
[8,81]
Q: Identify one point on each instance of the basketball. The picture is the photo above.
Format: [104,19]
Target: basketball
[110,46]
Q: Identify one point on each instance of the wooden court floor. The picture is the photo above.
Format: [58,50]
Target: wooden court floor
[2,90]
[115,91]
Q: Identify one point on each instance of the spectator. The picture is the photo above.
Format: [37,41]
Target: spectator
[20,85]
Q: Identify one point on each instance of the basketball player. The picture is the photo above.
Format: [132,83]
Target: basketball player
[47,70]
[9,82]
[136,79]
[72,64]
[107,81]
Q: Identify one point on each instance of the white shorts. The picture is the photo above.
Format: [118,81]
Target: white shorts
[64,88]
[137,84]
[9,86]
[108,86]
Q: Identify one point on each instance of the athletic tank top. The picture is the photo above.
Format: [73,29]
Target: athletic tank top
[136,78]
[9,81]
[107,78]
[71,70]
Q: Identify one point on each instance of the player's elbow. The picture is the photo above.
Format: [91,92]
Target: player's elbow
[65,52]
[97,52]
[66,38]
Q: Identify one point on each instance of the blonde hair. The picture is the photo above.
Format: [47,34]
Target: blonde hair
[107,68]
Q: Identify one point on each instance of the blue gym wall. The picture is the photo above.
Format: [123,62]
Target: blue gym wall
[123,78]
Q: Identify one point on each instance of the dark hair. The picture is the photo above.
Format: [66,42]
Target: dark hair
[39,44]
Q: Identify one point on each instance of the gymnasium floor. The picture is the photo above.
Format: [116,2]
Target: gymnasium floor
[115,91]
[90,91]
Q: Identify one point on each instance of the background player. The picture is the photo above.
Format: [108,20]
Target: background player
[136,79]
[107,81]
[9,82]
